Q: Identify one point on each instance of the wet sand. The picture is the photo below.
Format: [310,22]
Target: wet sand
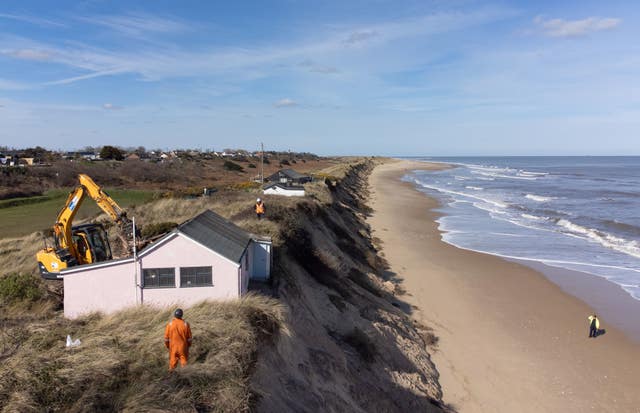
[510,339]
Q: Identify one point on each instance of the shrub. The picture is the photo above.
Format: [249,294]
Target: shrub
[284,162]
[111,152]
[159,228]
[20,287]
[244,186]
[252,165]
[232,166]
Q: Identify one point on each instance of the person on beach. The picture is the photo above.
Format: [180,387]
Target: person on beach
[177,338]
[594,325]
[259,208]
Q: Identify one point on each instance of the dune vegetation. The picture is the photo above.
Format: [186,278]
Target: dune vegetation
[121,364]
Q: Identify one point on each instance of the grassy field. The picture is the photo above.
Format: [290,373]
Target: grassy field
[22,216]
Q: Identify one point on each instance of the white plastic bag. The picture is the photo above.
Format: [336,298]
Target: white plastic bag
[74,343]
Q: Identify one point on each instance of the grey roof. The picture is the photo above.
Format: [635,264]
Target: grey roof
[217,234]
[289,173]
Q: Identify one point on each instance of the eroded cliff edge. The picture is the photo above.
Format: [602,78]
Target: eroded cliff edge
[351,343]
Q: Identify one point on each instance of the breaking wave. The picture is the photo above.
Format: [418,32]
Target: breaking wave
[538,198]
[605,239]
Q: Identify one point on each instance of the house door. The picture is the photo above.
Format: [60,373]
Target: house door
[261,260]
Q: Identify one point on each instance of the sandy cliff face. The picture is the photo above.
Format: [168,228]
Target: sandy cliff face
[350,346]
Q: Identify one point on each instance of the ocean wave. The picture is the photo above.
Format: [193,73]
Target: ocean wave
[618,226]
[539,198]
[534,218]
[483,173]
[475,188]
[527,173]
[451,192]
[548,261]
[502,175]
[525,178]
[491,169]
[605,239]
[488,208]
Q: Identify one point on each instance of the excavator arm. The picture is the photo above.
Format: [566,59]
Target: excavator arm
[62,229]
[108,205]
[104,201]
[86,243]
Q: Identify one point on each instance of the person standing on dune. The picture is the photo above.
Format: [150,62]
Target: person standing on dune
[259,208]
[177,338]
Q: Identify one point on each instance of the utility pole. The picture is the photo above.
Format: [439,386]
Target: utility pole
[261,163]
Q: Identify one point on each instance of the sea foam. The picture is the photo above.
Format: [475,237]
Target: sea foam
[538,198]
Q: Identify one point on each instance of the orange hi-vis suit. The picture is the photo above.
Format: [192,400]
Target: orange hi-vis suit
[260,208]
[177,338]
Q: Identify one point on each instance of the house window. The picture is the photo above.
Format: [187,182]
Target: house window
[195,277]
[159,277]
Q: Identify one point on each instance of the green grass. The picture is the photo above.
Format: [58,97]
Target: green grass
[22,216]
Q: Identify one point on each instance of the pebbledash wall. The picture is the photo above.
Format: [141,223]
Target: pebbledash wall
[111,286]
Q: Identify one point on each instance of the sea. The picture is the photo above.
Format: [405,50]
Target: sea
[578,213]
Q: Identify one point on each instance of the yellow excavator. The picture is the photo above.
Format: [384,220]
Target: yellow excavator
[87,243]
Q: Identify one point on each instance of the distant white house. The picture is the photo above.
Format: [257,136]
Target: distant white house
[278,188]
[207,257]
[88,155]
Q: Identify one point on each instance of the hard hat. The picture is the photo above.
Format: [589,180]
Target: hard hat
[178,313]
[258,200]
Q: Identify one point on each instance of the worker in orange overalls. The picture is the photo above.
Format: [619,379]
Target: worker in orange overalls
[177,338]
[260,208]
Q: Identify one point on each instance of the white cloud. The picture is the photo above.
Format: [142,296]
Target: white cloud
[11,85]
[85,77]
[286,103]
[573,28]
[153,61]
[360,36]
[111,106]
[314,67]
[33,20]
[137,24]
[28,54]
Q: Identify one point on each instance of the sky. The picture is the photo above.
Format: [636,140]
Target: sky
[374,77]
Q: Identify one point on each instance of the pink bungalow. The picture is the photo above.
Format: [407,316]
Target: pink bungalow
[206,258]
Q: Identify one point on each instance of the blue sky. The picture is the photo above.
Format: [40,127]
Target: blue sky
[332,77]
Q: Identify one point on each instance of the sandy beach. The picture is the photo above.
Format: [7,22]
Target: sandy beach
[510,340]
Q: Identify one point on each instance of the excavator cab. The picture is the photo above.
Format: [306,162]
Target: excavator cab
[91,243]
